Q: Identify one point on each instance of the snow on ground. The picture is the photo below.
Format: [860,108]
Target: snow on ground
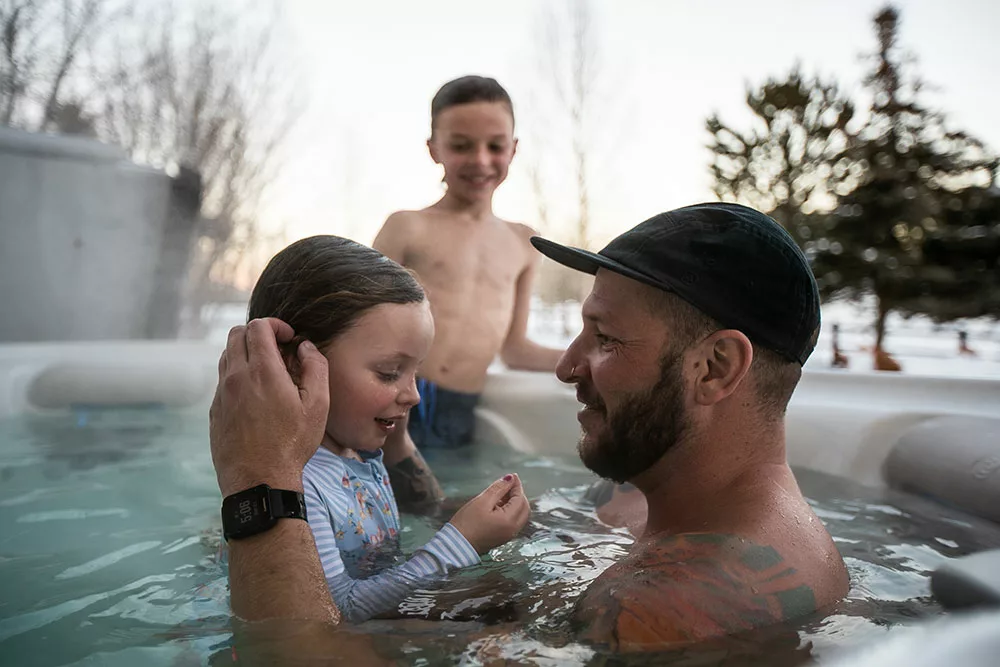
[920,346]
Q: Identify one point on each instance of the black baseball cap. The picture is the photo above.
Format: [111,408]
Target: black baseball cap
[735,264]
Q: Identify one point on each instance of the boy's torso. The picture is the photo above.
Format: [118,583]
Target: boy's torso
[469,270]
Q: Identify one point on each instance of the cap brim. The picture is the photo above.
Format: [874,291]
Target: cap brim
[589,262]
[574,258]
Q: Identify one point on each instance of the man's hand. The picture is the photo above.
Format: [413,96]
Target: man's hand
[494,516]
[263,426]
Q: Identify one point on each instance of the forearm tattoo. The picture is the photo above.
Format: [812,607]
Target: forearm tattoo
[688,588]
[414,485]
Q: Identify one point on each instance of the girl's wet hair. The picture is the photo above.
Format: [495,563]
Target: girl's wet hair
[466,90]
[322,285]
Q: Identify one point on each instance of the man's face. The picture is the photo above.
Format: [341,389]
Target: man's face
[642,429]
[629,379]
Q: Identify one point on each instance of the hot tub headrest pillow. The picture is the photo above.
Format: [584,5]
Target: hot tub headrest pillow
[953,459]
[68,384]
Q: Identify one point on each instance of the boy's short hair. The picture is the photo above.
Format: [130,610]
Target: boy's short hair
[466,90]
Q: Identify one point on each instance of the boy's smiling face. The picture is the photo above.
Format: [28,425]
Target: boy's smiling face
[475,144]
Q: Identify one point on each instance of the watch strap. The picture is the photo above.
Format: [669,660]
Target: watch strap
[286,504]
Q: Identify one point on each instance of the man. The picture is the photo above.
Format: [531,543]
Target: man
[694,336]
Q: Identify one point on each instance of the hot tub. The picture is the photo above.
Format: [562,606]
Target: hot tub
[109,529]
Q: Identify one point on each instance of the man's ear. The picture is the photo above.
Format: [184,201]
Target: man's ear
[723,361]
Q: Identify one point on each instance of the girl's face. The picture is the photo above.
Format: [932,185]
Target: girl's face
[373,370]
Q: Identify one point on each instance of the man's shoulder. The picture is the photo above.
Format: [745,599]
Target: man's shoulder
[690,587]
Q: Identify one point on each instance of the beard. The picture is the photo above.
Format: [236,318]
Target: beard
[646,426]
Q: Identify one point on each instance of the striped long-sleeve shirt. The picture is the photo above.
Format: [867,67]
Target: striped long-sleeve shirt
[354,518]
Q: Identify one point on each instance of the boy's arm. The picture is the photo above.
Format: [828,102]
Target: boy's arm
[518,352]
[391,240]
[414,485]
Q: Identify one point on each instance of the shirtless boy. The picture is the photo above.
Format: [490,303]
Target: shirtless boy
[477,269]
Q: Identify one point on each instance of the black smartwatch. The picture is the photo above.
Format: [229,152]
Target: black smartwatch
[255,510]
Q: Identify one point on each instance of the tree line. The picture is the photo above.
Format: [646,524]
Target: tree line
[887,199]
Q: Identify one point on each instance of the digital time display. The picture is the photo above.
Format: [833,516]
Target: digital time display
[245,511]
[249,512]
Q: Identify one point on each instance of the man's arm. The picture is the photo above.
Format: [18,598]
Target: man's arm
[518,352]
[277,574]
[689,588]
[263,428]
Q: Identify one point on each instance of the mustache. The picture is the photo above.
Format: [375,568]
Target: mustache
[589,397]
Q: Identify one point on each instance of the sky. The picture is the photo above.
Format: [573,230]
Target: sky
[367,72]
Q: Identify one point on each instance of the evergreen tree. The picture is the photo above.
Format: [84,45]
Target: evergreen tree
[901,209]
[795,156]
[960,276]
[922,185]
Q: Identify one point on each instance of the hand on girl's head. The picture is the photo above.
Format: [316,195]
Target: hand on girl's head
[255,406]
[290,354]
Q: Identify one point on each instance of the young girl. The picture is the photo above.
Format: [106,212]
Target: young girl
[369,317]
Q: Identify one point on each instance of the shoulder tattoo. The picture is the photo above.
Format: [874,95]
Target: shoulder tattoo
[691,587]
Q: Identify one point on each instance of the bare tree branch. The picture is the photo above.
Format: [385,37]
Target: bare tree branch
[567,60]
[78,23]
[195,85]
[20,28]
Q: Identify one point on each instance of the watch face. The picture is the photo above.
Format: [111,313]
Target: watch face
[246,513]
